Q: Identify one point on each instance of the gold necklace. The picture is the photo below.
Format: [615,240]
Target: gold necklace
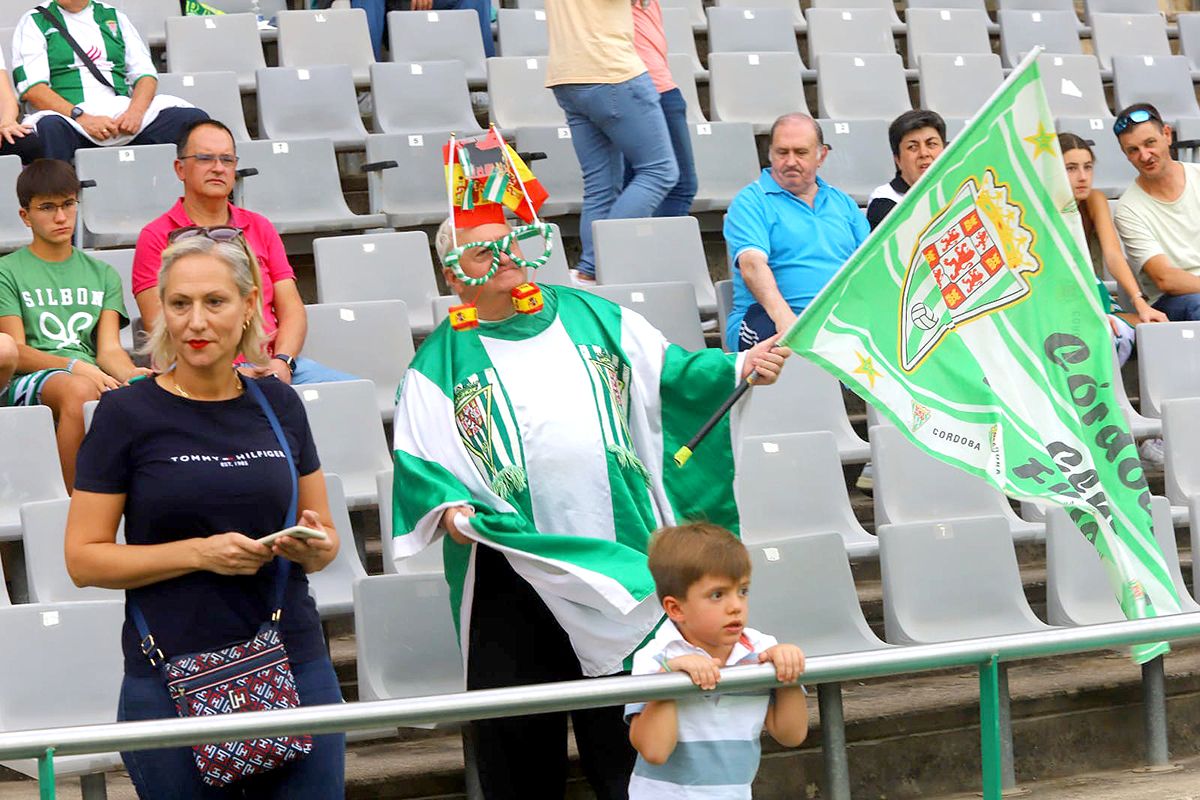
[240,388]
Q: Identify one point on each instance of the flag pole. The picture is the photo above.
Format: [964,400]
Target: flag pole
[684,453]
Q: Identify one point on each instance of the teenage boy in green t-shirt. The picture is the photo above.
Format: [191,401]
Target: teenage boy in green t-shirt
[62,308]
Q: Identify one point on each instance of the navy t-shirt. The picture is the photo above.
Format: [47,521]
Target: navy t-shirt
[192,468]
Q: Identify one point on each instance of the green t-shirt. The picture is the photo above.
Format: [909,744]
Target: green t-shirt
[59,303]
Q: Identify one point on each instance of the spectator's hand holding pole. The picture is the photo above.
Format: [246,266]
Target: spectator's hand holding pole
[448,522]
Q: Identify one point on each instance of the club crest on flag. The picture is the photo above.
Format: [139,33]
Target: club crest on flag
[484,431]
[973,258]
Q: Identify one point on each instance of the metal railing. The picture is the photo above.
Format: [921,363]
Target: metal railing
[986,654]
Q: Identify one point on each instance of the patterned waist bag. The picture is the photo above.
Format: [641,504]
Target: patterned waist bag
[249,676]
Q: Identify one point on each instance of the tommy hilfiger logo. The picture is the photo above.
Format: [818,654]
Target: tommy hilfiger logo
[234,460]
[238,698]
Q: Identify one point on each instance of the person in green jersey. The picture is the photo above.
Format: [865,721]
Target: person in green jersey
[63,309]
[538,448]
[8,361]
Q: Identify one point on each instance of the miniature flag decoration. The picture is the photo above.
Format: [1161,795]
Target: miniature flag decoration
[970,318]
[486,176]
[196,8]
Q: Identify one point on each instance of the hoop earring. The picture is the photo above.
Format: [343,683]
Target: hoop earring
[246,325]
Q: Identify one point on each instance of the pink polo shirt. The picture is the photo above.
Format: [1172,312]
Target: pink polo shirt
[260,235]
[650,40]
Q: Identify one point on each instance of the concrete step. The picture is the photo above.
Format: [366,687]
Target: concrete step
[1180,782]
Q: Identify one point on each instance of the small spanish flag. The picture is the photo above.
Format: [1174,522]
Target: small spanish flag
[480,173]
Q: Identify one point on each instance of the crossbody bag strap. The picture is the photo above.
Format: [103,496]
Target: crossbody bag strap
[83,56]
[282,565]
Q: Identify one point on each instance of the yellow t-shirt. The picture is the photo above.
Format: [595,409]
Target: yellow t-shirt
[591,41]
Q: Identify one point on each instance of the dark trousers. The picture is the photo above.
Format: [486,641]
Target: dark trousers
[514,640]
[28,147]
[172,772]
[60,139]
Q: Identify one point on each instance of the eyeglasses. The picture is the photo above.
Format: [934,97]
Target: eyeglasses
[217,233]
[208,158]
[52,208]
[1135,117]
[504,245]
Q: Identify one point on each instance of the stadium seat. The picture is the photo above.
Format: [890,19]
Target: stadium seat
[316,102]
[677,28]
[1023,29]
[912,486]
[1113,173]
[670,307]
[805,399]
[724,306]
[1168,364]
[1128,35]
[863,86]
[438,35]
[859,157]
[297,187]
[44,526]
[726,161]
[426,562]
[669,248]
[695,9]
[122,261]
[267,9]
[522,32]
[133,186]
[215,92]
[849,30]
[558,172]
[1093,7]
[333,587]
[945,30]
[349,438]
[422,98]
[413,190]
[1164,81]
[791,6]
[531,4]
[518,96]
[840,5]
[378,266]
[737,87]
[1139,426]
[13,233]
[11,12]
[331,36]
[950,580]
[231,41]
[684,74]
[804,591]
[1040,5]
[1163,515]
[370,340]
[389,667]
[957,5]
[62,666]
[957,85]
[1073,86]
[751,30]
[775,472]
[1077,589]
[1189,39]
[150,18]
[1181,438]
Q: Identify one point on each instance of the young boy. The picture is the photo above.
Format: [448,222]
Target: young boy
[62,308]
[702,575]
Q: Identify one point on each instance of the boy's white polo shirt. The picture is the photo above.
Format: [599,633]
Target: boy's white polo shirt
[718,749]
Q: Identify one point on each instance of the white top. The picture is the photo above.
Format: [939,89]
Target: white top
[717,753]
[1150,227]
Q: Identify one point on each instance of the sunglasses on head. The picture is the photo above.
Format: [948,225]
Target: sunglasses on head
[217,233]
[1135,117]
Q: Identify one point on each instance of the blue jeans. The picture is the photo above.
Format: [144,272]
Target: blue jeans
[611,123]
[172,772]
[309,371]
[678,202]
[377,18]
[1179,307]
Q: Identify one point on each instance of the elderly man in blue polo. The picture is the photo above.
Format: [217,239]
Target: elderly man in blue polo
[788,232]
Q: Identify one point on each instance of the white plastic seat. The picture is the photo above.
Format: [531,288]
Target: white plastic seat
[1040,5]
[946,30]
[413,192]
[776,472]
[317,102]
[439,35]
[791,6]
[850,30]
[866,86]
[122,261]
[856,160]
[329,36]
[1128,35]
[522,32]
[911,487]
[956,85]
[726,160]
[149,17]
[422,98]
[677,28]
[623,248]
[736,82]
[1181,442]
[977,589]
[378,266]
[349,438]
[1023,29]
[44,526]
[683,73]
[1113,173]
[695,9]
[1168,363]
[29,467]
[724,306]
[370,340]
[426,562]
[518,95]
[1165,81]
[670,307]
[215,92]
[1073,86]
[1189,38]
[333,587]
[198,43]
[558,172]
[751,30]
[13,233]
[134,185]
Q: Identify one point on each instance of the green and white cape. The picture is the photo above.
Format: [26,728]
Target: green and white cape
[559,428]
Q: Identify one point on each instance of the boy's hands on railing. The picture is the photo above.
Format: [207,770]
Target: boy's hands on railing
[788,660]
[705,671]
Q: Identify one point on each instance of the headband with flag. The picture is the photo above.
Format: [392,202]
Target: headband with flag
[484,175]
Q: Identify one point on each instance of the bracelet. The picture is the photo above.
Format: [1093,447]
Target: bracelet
[71,364]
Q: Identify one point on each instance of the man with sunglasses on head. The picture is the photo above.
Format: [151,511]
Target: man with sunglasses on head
[206,163]
[1156,216]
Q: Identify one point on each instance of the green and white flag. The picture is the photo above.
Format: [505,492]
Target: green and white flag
[971,319]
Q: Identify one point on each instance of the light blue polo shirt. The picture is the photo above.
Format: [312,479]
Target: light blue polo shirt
[805,245]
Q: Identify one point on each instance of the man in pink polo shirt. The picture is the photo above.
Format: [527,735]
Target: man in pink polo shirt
[206,162]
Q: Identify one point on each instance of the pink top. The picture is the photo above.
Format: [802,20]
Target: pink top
[260,235]
[651,43]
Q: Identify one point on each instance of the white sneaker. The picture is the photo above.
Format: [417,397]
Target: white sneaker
[1151,452]
[583,279]
[866,479]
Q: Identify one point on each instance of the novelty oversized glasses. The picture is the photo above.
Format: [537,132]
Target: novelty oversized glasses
[504,245]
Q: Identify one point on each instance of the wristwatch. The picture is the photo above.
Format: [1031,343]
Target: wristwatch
[286,359]
[76,112]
